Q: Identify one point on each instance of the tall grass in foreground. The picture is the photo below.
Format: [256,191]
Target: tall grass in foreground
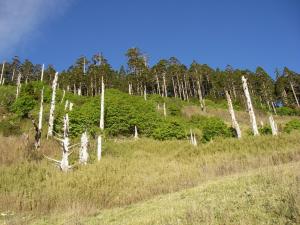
[131,171]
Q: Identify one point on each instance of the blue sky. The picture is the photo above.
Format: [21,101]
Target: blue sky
[242,33]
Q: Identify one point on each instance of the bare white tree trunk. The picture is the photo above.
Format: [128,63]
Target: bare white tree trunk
[145,93]
[235,124]
[64,164]
[274,109]
[42,74]
[250,107]
[18,85]
[202,103]
[102,107]
[165,110]
[71,106]
[66,104]
[294,93]
[136,135]
[99,147]
[83,154]
[3,81]
[192,137]
[165,86]
[158,86]
[40,125]
[62,99]
[52,106]
[13,75]
[273,125]
[2,72]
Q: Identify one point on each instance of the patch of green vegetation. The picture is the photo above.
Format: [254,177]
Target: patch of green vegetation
[292,125]
[287,111]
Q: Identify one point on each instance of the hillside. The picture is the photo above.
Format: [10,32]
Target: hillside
[158,178]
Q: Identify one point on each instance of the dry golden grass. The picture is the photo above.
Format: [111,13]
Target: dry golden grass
[131,171]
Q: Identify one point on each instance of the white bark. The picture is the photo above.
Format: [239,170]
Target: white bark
[136,135]
[294,93]
[42,74]
[250,107]
[201,100]
[64,163]
[158,86]
[13,75]
[273,125]
[41,110]
[195,140]
[274,109]
[2,72]
[192,137]
[83,154]
[145,93]
[52,107]
[62,99]
[102,107]
[165,86]
[18,85]
[99,148]
[66,104]
[165,110]
[3,80]
[235,124]
[71,106]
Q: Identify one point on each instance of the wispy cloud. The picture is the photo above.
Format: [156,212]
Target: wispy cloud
[20,20]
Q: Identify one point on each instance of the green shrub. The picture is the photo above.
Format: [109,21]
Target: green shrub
[169,130]
[23,105]
[7,96]
[10,128]
[292,125]
[265,130]
[174,108]
[211,127]
[287,111]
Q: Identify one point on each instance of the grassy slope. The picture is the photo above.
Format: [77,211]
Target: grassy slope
[264,196]
[135,171]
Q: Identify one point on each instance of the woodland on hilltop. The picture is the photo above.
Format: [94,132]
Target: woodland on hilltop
[168,78]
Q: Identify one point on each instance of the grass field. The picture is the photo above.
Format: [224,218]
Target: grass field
[254,180]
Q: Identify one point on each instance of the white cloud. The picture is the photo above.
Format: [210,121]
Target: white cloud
[20,20]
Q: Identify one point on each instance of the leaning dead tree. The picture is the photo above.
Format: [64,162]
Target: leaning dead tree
[2,72]
[235,124]
[273,125]
[52,107]
[99,147]
[201,100]
[42,74]
[250,107]
[294,93]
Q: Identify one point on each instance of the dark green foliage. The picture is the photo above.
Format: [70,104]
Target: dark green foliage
[23,105]
[292,125]
[211,127]
[169,130]
[10,128]
[287,111]
[7,96]
[265,130]
[123,112]
[174,108]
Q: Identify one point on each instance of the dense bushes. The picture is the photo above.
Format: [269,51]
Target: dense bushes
[23,105]
[211,127]
[286,111]
[169,130]
[292,125]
